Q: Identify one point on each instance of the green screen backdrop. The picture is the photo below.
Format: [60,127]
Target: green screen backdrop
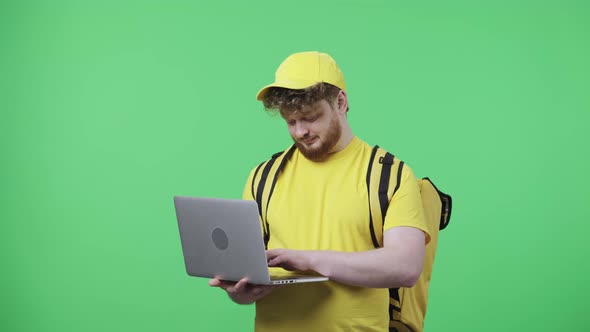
[109,108]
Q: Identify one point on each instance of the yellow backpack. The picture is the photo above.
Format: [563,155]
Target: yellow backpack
[407,306]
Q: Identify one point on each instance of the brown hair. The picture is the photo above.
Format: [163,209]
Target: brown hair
[287,101]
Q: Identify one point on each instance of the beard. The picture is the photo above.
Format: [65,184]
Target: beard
[327,143]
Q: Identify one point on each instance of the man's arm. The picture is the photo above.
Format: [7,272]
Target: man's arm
[397,264]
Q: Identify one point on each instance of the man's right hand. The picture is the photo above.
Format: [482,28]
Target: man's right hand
[242,292]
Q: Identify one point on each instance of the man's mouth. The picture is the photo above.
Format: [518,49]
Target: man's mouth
[308,141]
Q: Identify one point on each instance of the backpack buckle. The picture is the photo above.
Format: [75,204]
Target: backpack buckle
[388,161]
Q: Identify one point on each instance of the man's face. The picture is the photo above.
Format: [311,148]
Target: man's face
[315,130]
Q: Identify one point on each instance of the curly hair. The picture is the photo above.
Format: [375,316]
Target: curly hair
[287,101]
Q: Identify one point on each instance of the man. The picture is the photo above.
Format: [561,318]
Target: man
[319,217]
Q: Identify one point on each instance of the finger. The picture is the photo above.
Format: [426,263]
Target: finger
[262,290]
[267,290]
[277,261]
[272,253]
[256,291]
[215,281]
[221,283]
[241,285]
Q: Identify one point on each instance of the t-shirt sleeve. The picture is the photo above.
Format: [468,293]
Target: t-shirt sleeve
[405,207]
[247,194]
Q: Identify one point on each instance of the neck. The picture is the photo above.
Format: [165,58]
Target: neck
[346,137]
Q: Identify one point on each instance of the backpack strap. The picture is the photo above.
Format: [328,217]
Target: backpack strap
[383,177]
[262,193]
[383,180]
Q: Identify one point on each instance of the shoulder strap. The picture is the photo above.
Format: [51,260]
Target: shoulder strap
[381,186]
[383,180]
[262,193]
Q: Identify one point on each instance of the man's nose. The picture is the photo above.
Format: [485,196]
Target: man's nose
[301,129]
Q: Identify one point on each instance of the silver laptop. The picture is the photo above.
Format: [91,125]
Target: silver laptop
[223,238]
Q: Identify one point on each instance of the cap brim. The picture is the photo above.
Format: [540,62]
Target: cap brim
[295,85]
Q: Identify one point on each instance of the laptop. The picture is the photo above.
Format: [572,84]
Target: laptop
[223,238]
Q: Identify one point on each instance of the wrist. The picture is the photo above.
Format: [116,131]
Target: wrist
[319,264]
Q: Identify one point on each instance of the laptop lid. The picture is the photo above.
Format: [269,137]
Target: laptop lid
[221,237]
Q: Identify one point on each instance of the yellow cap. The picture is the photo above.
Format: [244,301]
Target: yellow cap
[302,70]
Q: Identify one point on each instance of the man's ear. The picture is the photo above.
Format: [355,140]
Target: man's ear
[342,102]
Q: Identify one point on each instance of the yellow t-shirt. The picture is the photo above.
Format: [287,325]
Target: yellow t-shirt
[324,206]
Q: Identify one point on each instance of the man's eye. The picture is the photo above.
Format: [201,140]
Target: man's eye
[291,123]
[312,119]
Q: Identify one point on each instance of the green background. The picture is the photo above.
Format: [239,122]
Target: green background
[110,108]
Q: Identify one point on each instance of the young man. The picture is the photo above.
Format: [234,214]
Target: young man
[318,216]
